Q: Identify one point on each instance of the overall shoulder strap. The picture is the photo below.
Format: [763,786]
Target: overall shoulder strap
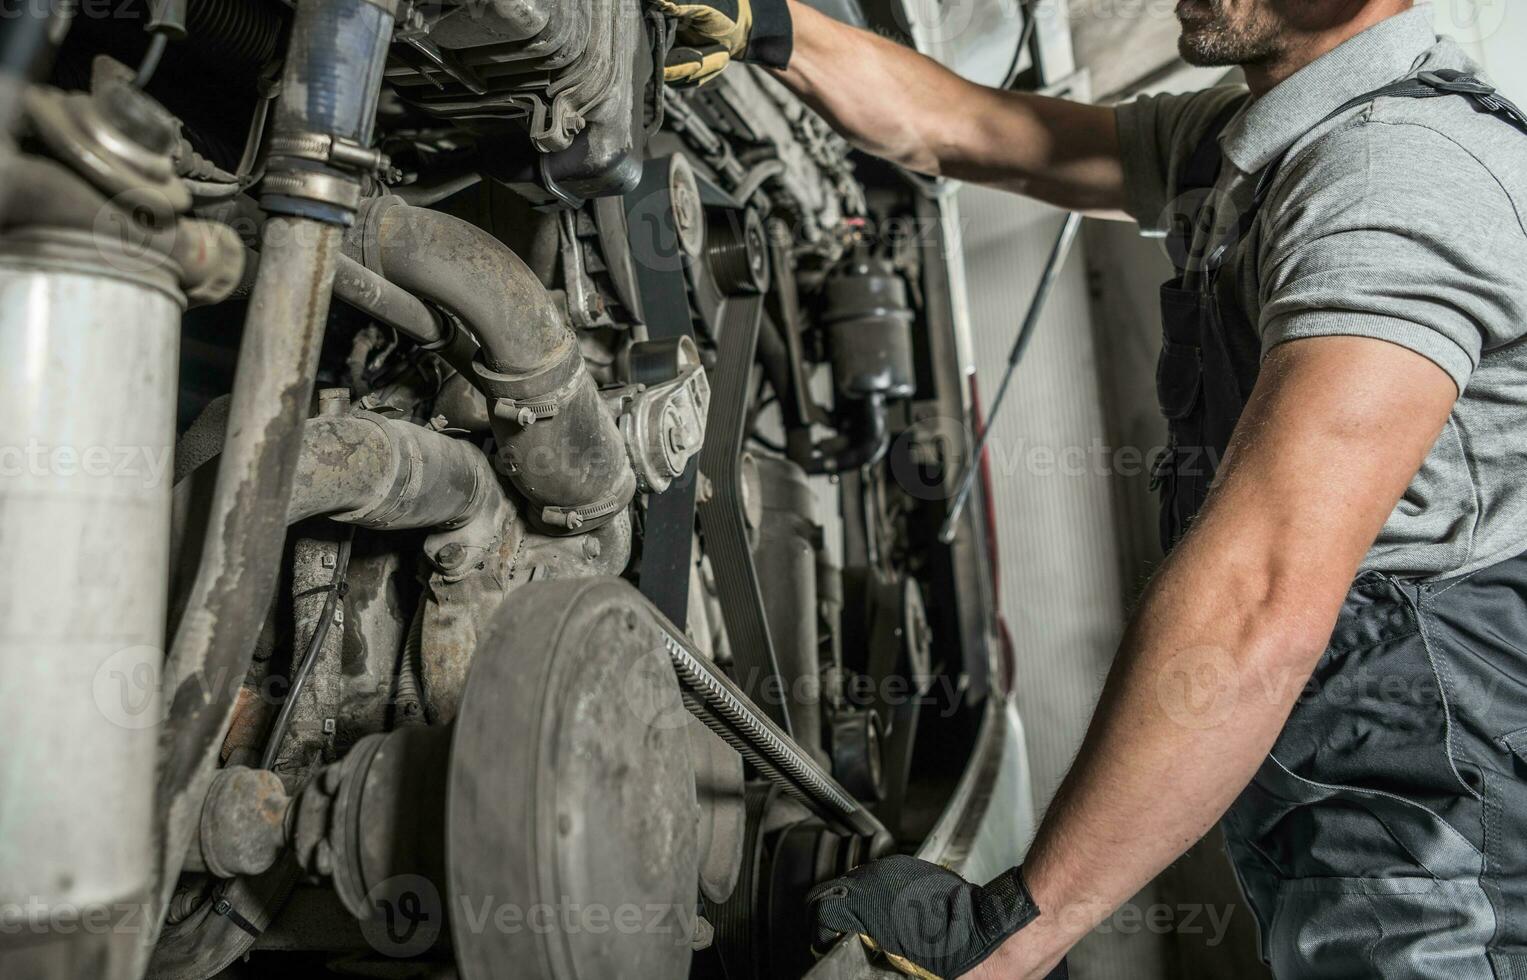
[1426,85]
[1202,169]
[1200,172]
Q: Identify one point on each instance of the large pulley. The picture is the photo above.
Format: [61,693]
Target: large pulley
[571,811]
[572,791]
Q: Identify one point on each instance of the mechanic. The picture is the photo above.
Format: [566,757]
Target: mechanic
[1333,658]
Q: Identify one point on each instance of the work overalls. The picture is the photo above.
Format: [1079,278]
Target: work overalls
[1386,834]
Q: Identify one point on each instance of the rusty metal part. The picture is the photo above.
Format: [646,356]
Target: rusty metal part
[376,816]
[464,593]
[204,257]
[242,829]
[240,558]
[119,138]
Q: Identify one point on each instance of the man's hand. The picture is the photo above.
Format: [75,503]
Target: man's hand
[929,921]
[711,33]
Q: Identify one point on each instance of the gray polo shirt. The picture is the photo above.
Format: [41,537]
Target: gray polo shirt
[1403,221]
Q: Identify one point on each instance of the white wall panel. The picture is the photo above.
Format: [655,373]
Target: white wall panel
[1062,592]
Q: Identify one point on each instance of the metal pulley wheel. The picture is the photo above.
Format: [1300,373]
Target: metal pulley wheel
[571,797]
[738,249]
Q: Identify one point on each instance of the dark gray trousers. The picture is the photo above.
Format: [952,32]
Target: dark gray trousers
[1386,834]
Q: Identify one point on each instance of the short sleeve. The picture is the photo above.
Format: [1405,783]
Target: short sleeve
[1394,231]
[1157,134]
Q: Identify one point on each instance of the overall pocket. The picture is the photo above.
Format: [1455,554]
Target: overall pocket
[1391,928]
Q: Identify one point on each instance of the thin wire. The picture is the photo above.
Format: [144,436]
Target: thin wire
[315,644]
[151,59]
[1025,334]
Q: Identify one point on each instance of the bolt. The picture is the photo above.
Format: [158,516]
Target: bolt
[591,547]
[450,556]
[328,726]
[526,418]
[574,520]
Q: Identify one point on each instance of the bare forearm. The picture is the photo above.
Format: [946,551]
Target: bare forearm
[1201,688]
[895,103]
[1232,627]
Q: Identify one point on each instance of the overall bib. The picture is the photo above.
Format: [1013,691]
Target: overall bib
[1386,833]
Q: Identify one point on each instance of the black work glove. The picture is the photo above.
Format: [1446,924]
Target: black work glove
[924,915]
[710,34]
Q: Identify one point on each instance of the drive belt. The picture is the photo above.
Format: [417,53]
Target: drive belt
[722,514]
[722,707]
[663,290]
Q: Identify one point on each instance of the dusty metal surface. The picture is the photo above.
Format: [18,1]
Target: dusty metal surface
[570,699]
[400,523]
[240,560]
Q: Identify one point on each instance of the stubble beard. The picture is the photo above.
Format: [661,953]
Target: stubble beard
[1213,38]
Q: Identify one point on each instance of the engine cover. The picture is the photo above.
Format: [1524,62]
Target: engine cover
[569,73]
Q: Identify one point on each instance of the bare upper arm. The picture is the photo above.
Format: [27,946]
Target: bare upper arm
[1334,432]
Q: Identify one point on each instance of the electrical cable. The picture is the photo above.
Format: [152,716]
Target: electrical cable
[336,589]
[1047,279]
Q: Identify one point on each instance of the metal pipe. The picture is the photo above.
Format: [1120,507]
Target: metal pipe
[427,193]
[386,303]
[377,472]
[559,444]
[241,554]
[330,84]
[463,268]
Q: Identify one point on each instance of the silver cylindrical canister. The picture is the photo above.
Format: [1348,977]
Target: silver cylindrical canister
[88,357]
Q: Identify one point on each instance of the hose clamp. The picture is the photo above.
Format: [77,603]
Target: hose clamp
[528,411]
[528,398]
[314,185]
[574,518]
[333,151]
